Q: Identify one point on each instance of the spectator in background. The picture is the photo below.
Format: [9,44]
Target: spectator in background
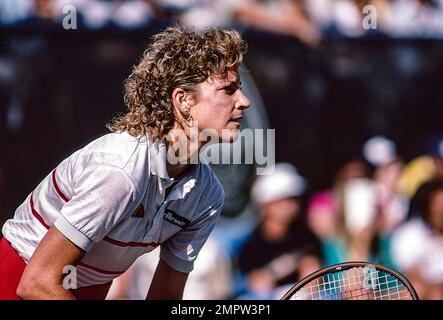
[281,250]
[287,17]
[330,219]
[416,18]
[14,11]
[345,17]
[92,14]
[356,218]
[95,14]
[391,205]
[322,217]
[372,206]
[419,170]
[417,245]
[201,14]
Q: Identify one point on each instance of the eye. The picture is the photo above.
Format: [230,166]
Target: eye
[230,89]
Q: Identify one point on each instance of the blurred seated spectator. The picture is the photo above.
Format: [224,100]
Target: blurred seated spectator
[355,218]
[395,18]
[95,14]
[346,17]
[416,18]
[14,11]
[286,17]
[359,205]
[419,170]
[91,14]
[210,279]
[391,205]
[281,250]
[322,218]
[329,215]
[417,245]
[307,20]
[200,14]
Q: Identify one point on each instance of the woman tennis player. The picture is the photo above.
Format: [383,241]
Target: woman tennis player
[121,195]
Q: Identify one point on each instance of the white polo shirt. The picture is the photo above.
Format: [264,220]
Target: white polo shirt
[108,198]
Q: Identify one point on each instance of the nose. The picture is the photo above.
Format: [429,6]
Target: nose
[243,101]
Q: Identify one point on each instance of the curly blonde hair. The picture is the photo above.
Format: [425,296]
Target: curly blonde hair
[176,58]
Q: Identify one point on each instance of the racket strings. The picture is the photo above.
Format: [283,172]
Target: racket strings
[354,284]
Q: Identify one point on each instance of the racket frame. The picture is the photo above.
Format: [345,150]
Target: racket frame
[345,266]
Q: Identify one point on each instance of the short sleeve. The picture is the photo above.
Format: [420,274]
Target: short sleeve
[181,250]
[102,196]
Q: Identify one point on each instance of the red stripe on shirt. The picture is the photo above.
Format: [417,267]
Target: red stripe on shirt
[60,193]
[36,214]
[40,219]
[99,270]
[107,239]
[130,244]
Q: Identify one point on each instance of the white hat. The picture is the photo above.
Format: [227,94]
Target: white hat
[283,182]
[379,150]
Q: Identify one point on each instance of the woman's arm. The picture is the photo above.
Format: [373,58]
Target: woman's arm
[43,276]
[167,284]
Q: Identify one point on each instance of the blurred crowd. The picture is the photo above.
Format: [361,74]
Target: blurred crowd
[309,21]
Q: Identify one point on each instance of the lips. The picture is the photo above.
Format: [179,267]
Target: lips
[236,119]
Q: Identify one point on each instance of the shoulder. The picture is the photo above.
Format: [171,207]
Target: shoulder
[204,195]
[116,153]
[113,148]
[209,184]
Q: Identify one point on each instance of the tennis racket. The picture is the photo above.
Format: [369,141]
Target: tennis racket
[353,281]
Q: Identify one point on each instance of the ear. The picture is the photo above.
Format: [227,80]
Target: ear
[182,101]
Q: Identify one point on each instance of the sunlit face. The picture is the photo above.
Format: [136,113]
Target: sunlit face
[282,211]
[219,105]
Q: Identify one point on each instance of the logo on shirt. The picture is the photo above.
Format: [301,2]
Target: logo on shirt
[139,212]
[174,218]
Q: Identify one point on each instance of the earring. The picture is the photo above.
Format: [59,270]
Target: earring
[190,121]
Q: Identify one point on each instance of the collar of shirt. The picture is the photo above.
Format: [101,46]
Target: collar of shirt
[157,164]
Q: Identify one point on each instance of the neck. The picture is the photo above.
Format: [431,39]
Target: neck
[183,148]
[175,171]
